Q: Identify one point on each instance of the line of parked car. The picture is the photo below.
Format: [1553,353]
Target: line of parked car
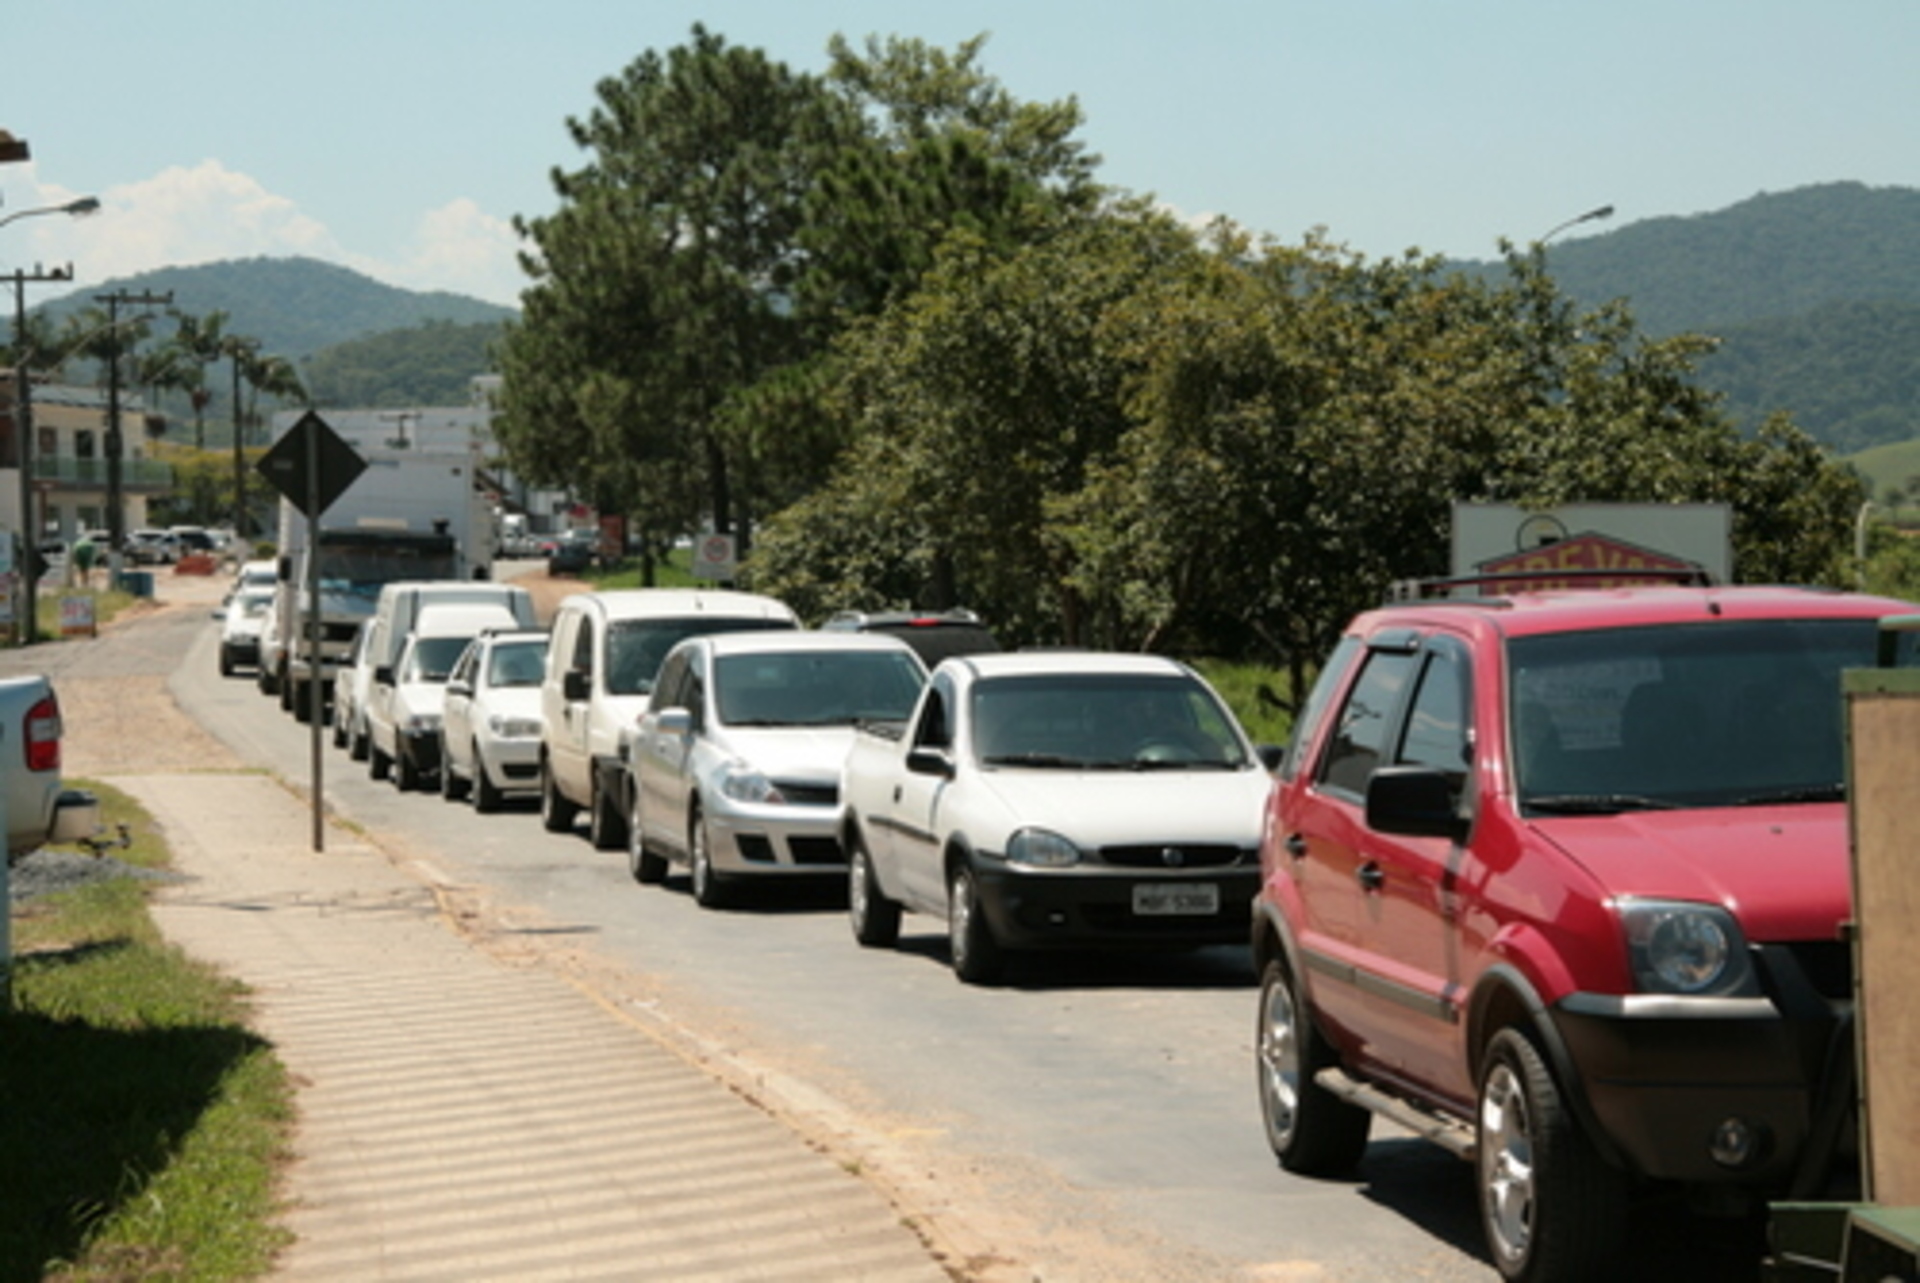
[1557,879]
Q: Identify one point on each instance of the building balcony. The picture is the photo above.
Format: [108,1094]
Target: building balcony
[68,473]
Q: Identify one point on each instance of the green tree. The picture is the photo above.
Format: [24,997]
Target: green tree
[201,341]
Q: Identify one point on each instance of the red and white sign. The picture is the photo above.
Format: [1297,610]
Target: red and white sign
[1498,538]
[713,557]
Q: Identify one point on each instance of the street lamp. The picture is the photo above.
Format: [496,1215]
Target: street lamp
[1591,216]
[23,416]
[80,205]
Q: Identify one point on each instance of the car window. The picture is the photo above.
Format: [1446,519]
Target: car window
[1103,721]
[933,728]
[432,658]
[637,647]
[1720,714]
[815,688]
[516,663]
[1359,741]
[1306,726]
[1437,733]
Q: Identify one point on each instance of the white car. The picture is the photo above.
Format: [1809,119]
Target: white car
[490,721]
[1057,800]
[350,686]
[736,762]
[241,620]
[405,701]
[606,648]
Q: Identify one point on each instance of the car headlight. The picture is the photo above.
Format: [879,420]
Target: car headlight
[742,783]
[1041,848]
[1684,948]
[514,728]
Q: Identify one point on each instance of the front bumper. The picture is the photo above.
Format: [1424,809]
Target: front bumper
[790,838]
[512,764]
[1663,1084]
[1093,906]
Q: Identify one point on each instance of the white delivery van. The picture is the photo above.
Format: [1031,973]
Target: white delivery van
[405,699]
[606,648]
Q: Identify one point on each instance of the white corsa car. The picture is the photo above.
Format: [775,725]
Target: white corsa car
[490,723]
[736,763]
[242,619]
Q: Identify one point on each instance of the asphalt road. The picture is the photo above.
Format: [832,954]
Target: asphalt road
[1099,1110]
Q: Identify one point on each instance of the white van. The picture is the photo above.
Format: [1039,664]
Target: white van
[404,702]
[606,648]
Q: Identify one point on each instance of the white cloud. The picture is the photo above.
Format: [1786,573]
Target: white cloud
[458,247]
[182,217]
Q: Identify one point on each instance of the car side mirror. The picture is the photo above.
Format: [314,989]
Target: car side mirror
[459,687]
[930,761]
[383,675]
[674,721]
[1414,801]
[575,684]
[1271,756]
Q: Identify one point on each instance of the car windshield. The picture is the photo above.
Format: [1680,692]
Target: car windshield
[816,688]
[1742,713]
[433,658]
[1119,721]
[635,647]
[516,663]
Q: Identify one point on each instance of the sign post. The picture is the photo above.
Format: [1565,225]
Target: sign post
[312,466]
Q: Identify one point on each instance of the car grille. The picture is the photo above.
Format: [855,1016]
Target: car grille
[815,851]
[809,794]
[1175,855]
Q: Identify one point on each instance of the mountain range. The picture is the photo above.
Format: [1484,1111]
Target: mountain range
[1813,293]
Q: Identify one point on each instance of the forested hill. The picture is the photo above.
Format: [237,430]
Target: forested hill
[294,306]
[1815,294]
[430,364]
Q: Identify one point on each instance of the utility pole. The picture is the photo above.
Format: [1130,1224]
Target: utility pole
[29,559]
[116,516]
[239,350]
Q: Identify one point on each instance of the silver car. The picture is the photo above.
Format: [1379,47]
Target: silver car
[736,761]
[490,723]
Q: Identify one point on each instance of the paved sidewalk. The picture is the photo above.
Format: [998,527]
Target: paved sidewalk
[464,1119]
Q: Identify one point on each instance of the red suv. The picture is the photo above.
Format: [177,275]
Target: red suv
[1560,880]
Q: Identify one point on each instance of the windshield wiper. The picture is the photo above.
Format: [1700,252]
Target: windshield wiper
[1795,793]
[1596,803]
[1036,759]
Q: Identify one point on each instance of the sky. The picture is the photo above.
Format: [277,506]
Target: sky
[401,138]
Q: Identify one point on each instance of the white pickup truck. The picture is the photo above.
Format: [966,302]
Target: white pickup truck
[39,808]
[1056,800]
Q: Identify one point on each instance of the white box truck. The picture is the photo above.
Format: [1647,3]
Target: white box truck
[412,514]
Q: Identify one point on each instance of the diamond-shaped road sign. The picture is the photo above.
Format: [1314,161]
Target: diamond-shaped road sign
[286,467]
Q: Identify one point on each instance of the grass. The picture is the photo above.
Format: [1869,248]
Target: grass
[144,1124]
[1254,694]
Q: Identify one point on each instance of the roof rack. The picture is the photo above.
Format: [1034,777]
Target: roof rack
[1691,575]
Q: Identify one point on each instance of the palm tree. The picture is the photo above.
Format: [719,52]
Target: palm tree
[202,340]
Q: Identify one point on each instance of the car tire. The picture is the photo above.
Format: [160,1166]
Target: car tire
[358,745]
[647,867]
[1550,1206]
[226,662]
[978,958]
[606,826]
[339,729]
[486,798]
[710,890]
[556,812]
[875,918]
[452,787]
[406,774]
[1310,1130]
[379,765]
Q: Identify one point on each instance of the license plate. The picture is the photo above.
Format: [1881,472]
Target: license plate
[1164,899]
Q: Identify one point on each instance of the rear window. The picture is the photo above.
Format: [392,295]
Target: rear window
[935,641]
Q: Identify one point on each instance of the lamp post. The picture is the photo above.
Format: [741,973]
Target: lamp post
[23,416]
[239,350]
[1591,216]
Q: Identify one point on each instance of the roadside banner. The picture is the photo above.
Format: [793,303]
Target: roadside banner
[76,617]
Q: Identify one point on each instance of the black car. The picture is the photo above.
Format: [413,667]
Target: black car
[933,635]
[573,552]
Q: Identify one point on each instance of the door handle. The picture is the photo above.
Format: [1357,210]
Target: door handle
[1295,846]
[1371,876]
